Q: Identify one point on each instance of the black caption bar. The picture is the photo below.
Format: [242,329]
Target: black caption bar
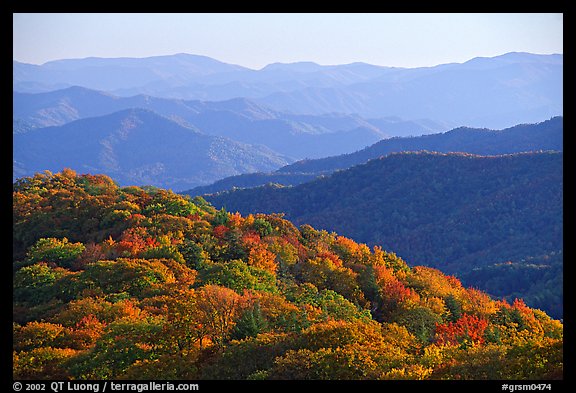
[104,386]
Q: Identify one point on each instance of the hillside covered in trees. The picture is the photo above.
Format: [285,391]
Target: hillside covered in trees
[494,221]
[141,283]
[547,135]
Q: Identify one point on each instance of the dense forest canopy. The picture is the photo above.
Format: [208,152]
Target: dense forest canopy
[140,283]
[494,221]
[547,135]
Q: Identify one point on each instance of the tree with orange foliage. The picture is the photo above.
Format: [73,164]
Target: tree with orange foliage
[220,231]
[235,220]
[183,327]
[135,240]
[391,293]
[250,239]
[85,333]
[468,330]
[261,258]
[350,251]
[218,309]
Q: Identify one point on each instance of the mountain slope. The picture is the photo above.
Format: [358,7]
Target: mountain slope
[453,211]
[137,146]
[130,283]
[239,119]
[63,106]
[117,73]
[251,180]
[547,135]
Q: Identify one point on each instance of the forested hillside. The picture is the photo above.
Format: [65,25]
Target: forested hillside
[141,283]
[547,135]
[457,212]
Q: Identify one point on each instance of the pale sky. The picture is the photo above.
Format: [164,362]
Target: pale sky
[255,40]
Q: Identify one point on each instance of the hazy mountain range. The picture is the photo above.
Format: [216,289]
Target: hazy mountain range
[493,92]
[296,136]
[289,111]
[138,146]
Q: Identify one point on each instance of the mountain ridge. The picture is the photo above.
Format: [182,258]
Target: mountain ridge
[240,119]
[504,90]
[138,146]
[453,211]
[547,135]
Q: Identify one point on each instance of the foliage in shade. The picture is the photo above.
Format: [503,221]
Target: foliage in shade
[547,135]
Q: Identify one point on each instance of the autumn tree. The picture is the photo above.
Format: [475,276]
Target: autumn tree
[250,323]
[218,310]
[43,363]
[327,273]
[124,342]
[261,258]
[466,331]
[132,282]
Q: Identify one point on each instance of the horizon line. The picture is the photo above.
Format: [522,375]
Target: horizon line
[281,63]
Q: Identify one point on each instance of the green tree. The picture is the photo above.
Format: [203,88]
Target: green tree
[220,218]
[250,323]
[420,321]
[454,308]
[61,252]
[124,342]
[238,276]
[194,255]
[35,284]
[43,363]
[262,226]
